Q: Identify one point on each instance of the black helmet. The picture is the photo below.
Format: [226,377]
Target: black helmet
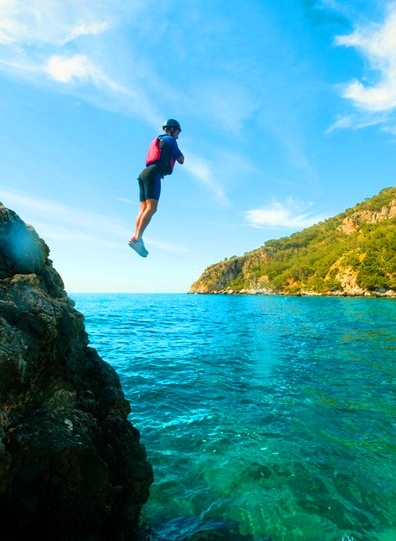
[171,123]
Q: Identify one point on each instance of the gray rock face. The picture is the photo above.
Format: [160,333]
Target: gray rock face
[71,464]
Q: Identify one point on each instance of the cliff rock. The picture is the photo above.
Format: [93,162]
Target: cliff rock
[71,464]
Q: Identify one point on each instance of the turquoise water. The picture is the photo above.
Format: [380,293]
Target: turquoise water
[263,417]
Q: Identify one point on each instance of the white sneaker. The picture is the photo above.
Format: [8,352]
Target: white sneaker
[139,247]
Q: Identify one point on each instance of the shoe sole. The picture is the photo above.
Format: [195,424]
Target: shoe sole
[138,250]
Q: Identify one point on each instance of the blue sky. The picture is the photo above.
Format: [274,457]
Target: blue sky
[287,109]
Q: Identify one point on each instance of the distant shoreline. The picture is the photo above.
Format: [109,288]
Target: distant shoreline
[390,294]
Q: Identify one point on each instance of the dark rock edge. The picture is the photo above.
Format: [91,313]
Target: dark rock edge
[71,463]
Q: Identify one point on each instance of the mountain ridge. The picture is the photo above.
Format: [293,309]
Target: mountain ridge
[350,254]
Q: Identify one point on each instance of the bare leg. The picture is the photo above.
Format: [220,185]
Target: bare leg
[146,212]
[142,208]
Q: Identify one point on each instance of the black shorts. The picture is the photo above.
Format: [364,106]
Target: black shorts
[150,183]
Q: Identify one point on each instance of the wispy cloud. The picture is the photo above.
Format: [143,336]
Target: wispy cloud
[125,200]
[73,45]
[76,67]
[202,170]
[54,221]
[290,214]
[357,121]
[172,247]
[226,104]
[79,68]
[57,217]
[85,50]
[41,22]
[374,102]
[87,29]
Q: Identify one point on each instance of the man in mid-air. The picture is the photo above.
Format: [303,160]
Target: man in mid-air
[162,154]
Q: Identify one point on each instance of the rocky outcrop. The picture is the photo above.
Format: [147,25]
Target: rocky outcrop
[347,279]
[218,277]
[71,464]
[351,223]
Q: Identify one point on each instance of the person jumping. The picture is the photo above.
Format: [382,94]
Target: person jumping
[162,155]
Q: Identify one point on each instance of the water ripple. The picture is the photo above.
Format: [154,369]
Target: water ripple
[265,418]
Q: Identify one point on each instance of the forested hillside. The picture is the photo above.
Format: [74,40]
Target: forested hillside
[353,253]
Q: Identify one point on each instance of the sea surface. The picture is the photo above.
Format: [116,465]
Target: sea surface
[265,418]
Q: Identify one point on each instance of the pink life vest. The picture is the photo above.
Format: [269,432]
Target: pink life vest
[154,156]
[153,152]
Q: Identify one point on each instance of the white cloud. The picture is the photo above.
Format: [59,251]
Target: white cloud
[342,122]
[202,171]
[36,40]
[87,29]
[54,221]
[84,49]
[58,215]
[290,214]
[377,45]
[39,22]
[358,121]
[68,69]
[79,68]
[78,44]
